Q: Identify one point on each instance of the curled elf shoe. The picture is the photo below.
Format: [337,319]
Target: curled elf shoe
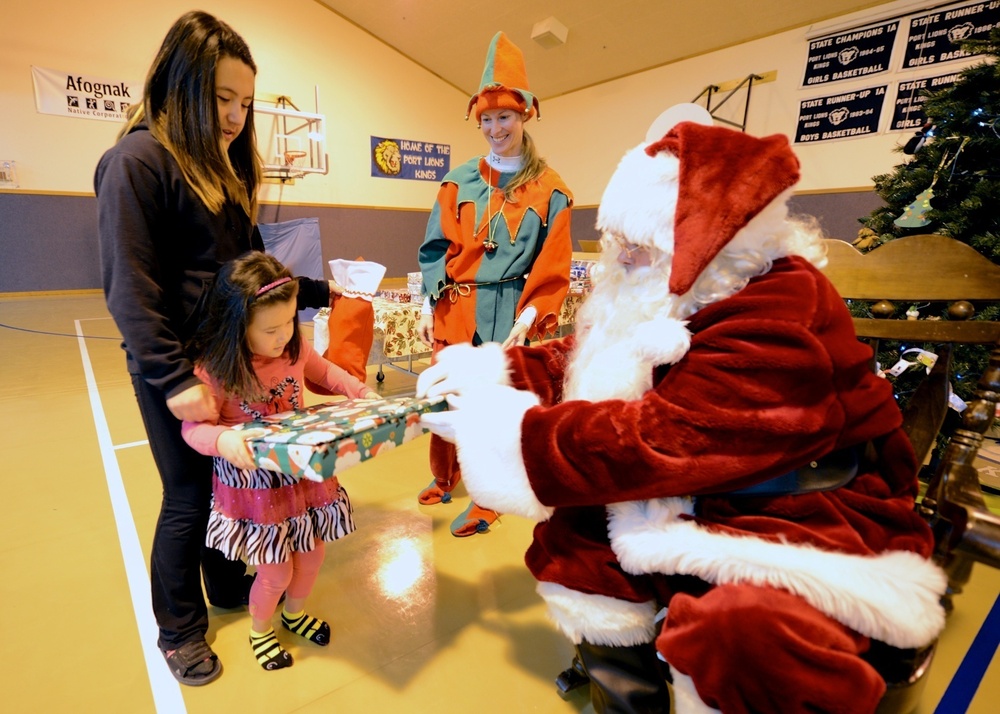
[193,663]
[472,521]
[433,494]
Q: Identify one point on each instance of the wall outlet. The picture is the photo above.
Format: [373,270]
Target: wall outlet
[8,174]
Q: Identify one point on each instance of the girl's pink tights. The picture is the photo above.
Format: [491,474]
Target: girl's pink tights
[295,577]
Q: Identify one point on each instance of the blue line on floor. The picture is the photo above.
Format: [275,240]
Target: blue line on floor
[958,696]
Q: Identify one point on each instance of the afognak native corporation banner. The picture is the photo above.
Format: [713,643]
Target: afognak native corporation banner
[83,96]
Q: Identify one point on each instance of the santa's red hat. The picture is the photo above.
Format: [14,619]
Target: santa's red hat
[690,192]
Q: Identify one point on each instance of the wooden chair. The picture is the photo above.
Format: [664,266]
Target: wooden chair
[937,269]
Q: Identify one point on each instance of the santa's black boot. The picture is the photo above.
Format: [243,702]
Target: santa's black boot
[625,680]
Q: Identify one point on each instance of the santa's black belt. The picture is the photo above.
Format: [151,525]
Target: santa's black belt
[825,474]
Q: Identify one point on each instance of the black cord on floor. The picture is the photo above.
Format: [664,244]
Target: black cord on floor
[57,334]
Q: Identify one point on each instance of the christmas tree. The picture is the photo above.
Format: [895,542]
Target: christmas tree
[951,186]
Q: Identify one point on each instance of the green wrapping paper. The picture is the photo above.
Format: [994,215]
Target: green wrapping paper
[323,440]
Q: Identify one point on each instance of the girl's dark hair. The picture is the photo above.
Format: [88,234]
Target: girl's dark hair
[181,110]
[220,343]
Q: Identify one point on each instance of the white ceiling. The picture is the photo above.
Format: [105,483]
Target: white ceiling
[607,39]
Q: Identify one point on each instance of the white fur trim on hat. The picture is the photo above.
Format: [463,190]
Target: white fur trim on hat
[488,439]
[640,200]
[892,596]
[599,619]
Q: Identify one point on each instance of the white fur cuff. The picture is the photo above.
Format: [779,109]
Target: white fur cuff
[599,619]
[489,451]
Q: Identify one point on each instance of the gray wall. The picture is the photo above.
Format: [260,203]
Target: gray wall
[49,242]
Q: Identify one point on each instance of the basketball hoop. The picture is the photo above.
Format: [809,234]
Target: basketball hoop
[291,156]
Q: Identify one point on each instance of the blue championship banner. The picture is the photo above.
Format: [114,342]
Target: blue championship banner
[908,111]
[851,54]
[840,116]
[935,37]
[404,159]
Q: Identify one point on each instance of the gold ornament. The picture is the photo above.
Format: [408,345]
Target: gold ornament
[491,226]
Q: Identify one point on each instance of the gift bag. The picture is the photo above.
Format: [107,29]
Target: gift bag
[351,325]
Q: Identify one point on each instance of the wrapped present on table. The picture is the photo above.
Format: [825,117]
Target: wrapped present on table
[323,440]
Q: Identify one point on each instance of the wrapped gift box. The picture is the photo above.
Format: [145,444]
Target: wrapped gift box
[325,439]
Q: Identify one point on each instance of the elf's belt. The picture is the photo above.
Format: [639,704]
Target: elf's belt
[457,290]
[825,474]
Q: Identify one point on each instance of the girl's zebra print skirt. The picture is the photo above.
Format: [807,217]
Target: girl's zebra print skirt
[262,516]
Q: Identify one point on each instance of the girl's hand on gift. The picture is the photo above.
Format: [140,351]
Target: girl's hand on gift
[335,290]
[234,449]
[370,394]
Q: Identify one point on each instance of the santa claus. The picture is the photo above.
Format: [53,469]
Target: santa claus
[711,441]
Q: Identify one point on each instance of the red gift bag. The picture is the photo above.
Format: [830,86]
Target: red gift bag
[351,323]
[352,331]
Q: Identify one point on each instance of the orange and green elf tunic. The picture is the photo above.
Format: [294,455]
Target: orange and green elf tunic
[477,295]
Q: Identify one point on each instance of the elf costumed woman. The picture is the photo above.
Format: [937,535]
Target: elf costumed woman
[496,257]
[667,451]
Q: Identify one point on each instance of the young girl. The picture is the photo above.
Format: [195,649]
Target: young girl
[249,351]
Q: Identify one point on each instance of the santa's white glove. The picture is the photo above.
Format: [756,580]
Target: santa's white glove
[458,368]
[484,422]
[441,423]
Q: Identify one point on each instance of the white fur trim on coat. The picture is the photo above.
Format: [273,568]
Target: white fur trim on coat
[488,439]
[599,619]
[624,369]
[893,596]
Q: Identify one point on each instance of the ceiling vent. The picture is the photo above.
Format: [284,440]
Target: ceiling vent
[549,33]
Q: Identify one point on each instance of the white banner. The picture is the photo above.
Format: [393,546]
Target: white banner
[83,96]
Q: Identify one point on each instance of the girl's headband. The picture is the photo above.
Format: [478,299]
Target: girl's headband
[272,286]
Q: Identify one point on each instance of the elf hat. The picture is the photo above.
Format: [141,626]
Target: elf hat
[505,81]
[690,192]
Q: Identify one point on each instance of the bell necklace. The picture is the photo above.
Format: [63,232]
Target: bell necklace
[503,163]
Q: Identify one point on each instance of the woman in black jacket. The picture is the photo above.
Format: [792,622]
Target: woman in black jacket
[177,198]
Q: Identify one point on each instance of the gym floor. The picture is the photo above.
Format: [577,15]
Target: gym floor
[423,622]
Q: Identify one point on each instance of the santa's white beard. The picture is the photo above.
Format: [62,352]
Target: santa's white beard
[613,358]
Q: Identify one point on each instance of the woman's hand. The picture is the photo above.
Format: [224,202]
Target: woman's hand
[371,394]
[516,336]
[336,289]
[193,404]
[425,329]
[234,449]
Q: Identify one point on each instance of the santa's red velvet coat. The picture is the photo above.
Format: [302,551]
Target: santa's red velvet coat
[774,379]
